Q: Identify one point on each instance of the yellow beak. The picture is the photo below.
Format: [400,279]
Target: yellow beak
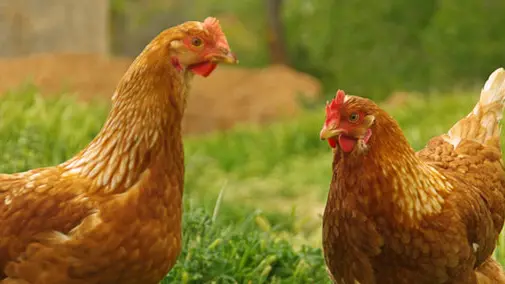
[224,56]
[329,133]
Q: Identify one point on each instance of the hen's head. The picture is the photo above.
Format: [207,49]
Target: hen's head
[195,46]
[349,122]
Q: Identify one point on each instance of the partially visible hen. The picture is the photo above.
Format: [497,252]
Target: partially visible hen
[397,216]
[112,213]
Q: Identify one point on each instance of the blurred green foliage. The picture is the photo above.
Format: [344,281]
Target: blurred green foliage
[370,48]
[375,48]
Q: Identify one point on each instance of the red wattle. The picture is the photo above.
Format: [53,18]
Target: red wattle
[346,143]
[203,69]
[332,142]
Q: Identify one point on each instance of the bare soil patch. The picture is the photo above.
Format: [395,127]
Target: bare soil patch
[229,96]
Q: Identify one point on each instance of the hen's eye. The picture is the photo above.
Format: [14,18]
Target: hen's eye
[196,41]
[353,117]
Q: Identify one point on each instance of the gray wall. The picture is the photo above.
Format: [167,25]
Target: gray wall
[34,26]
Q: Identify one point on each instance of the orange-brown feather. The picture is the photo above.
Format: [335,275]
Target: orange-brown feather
[112,213]
[397,216]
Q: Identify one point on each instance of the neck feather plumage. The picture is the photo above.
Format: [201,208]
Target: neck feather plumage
[143,124]
[390,179]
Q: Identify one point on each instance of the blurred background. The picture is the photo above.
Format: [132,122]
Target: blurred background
[370,49]
[255,167]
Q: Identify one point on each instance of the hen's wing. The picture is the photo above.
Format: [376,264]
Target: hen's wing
[470,155]
[100,250]
[37,202]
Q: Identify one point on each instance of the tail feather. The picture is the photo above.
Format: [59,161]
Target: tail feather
[483,123]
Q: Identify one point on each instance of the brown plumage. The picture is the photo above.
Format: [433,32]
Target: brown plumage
[112,213]
[397,216]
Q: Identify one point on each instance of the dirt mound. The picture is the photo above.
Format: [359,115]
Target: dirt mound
[86,75]
[228,96]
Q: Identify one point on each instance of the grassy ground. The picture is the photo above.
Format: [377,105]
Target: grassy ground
[253,195]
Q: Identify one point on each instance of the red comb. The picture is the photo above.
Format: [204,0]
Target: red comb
[212,25]
[339,97]
[334,106]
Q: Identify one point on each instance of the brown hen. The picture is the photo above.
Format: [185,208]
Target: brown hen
[112,213]
[397,216]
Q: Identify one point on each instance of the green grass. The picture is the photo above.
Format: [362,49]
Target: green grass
[273,181]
